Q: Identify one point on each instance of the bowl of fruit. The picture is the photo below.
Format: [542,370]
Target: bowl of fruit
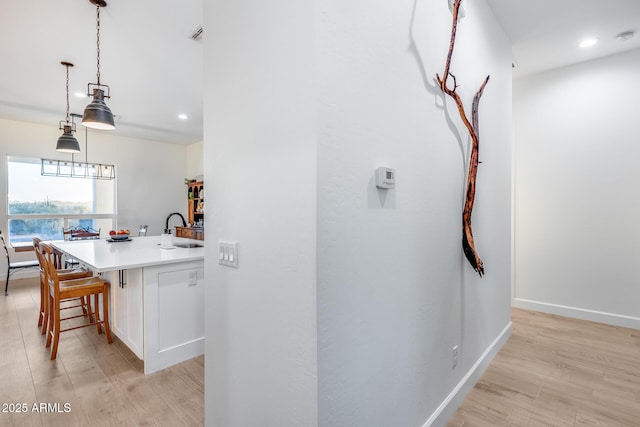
[119,234]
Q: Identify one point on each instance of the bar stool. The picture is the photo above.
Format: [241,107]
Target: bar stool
[59,291]
[43,317]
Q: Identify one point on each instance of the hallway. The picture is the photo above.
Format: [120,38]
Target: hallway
[561,372]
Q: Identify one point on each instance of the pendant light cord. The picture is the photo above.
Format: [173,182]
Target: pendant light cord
[86,145]
[67,118]
[98,40]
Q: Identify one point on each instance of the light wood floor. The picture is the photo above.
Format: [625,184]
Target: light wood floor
[555,371]
[102,384]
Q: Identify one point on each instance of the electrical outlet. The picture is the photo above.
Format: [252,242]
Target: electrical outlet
[454,356]
[193,278]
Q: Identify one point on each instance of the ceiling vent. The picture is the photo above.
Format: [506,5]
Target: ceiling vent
[197,34]
[627,35]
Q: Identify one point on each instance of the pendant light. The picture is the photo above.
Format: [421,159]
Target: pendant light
[97,114]
[78,169]
[67,143]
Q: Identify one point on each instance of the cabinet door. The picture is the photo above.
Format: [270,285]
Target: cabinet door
[118,305]
[174,314]
[127,308]
[135,311]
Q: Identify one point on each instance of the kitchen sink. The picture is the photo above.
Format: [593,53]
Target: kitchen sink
[188,245]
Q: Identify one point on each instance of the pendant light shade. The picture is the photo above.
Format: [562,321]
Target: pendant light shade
[97,114]
[67,143]
[78,169]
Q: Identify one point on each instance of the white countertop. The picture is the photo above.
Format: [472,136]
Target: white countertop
[101,255]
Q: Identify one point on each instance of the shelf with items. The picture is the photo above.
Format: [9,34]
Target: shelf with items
[190,233]
[195,194]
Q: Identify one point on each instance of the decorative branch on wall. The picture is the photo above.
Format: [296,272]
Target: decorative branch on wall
[468,244]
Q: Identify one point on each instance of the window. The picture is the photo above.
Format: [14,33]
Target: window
[42,206]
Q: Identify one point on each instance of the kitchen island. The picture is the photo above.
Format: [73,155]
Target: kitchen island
[156,296]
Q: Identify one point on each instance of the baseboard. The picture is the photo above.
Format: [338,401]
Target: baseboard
[578,313]
[20,274]
[447,408]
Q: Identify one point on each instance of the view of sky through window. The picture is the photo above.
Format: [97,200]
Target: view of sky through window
[26,185]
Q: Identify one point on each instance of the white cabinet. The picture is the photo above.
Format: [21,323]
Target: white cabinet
[174,314]
[156,295]
[127,308]
[158,312]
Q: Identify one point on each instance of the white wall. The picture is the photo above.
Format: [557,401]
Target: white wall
[194,160]
[259,164]
[576,186]
[291,86]
[149,175]
[395,293]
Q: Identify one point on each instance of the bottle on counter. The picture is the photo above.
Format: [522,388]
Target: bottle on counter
[166,238]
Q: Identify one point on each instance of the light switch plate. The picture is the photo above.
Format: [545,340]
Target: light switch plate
[228,254]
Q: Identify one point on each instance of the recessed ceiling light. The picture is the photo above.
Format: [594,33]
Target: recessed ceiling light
[588,42]
[182,116]
[80,95]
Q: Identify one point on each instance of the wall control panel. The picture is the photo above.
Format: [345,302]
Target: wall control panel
[385,178]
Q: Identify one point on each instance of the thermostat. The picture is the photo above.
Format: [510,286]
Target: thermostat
[385,178]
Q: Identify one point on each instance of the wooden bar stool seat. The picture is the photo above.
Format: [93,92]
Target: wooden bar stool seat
[58,291]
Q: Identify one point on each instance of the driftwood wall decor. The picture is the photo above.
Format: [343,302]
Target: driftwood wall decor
[468,244]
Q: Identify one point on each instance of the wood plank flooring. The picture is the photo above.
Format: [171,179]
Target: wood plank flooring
[101,384]
[553,371]
[556,371]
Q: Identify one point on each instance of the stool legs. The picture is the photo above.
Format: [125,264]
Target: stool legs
[42,306]
[53,323]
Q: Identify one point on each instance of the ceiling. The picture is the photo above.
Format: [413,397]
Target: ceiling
[147,57]
[545,33]
[155,70]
